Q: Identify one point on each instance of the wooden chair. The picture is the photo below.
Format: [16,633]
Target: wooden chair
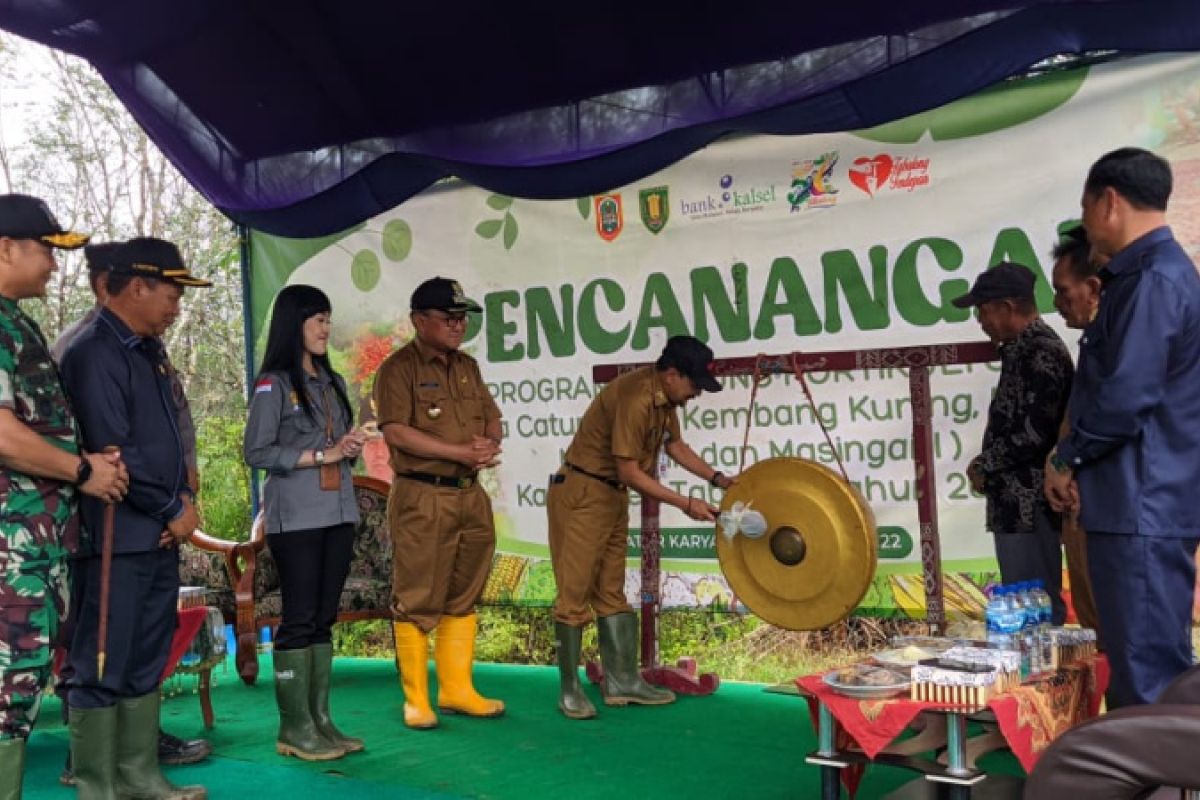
[247,588]
[203,564]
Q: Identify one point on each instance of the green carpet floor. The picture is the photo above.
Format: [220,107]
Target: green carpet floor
[741,742]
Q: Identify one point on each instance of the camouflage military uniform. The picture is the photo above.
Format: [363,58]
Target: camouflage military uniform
[38,524]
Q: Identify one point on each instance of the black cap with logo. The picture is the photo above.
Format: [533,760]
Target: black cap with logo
[442,294]
[693,358]
[1005,281]
[25,217]
[149,257]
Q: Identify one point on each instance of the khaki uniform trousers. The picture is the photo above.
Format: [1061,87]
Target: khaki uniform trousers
[1074,541]
[443,540]
[589,533]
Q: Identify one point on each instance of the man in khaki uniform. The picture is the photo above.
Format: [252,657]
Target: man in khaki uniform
[1077,297]
[616,449]
[442,426]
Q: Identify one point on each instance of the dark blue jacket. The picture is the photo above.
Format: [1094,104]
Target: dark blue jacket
[1135,406]
[121,393]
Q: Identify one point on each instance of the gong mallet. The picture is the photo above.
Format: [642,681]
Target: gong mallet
[106,555]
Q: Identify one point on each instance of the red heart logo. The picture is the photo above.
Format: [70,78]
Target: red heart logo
[869,173]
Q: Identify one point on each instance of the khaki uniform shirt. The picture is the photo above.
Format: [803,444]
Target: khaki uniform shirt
[443,396]
[630,418]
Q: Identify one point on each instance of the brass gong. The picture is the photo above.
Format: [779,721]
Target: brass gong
[818,556]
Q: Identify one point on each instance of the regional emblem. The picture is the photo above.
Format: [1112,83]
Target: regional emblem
[655,207]
[609,218]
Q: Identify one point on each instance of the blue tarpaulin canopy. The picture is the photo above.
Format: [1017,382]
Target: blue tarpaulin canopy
[304,117]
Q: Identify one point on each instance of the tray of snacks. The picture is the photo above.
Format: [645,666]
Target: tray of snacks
[957,682]
[1069,645]
[903,659]
[935,644]
[866,682]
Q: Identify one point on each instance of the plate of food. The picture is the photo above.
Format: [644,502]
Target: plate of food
[866,682]
[936,644]
[903,659]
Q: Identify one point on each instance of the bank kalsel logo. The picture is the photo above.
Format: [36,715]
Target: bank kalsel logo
[655,207]
[733,199]
[610,220]
[812,182]
[739,199]
[872,174]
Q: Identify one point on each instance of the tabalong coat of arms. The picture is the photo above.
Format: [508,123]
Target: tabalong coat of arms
[655,207]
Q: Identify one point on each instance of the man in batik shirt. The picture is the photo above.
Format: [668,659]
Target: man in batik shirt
[1023,422]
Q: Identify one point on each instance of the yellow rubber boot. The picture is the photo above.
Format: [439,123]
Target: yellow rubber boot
[454,653]
[412,658]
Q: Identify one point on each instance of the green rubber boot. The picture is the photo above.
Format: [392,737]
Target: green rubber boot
[318,699]
[138,773]
[94,751]
[12,768]
[572,702]
[298,733]
[623,683]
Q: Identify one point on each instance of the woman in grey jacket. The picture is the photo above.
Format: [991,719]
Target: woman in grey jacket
[301,432]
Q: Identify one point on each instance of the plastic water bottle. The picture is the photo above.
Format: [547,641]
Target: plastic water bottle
[1012,619]
[1028,618]
[1031,628]
[996,616]
[264,640]
[192,657]
[1045,620]
[1024,629]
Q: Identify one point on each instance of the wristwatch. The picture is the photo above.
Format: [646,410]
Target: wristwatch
[715,480]
[83,472]
[1056,462]
[318,457]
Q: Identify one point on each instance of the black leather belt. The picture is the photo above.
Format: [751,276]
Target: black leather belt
[620,487]
[441,481]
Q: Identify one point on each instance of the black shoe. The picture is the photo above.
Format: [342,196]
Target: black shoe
[174,751]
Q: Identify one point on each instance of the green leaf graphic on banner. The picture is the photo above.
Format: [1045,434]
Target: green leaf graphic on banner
[397,240]
[993,109]
[499,202]
[510,231]
[274,259]
[584,204]
[364,270]
[489,228]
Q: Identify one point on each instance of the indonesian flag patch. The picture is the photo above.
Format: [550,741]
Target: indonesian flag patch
[263,385]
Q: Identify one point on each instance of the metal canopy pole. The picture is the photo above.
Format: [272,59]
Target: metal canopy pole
[243,234]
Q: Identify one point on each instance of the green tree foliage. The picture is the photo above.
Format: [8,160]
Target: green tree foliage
[224,478]
[68,139]
[65,137]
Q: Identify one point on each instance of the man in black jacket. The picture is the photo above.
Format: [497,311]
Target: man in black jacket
[171,749]
[1023,420]
[118,377]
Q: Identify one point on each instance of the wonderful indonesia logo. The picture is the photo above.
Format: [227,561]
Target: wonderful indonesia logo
[884,172]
